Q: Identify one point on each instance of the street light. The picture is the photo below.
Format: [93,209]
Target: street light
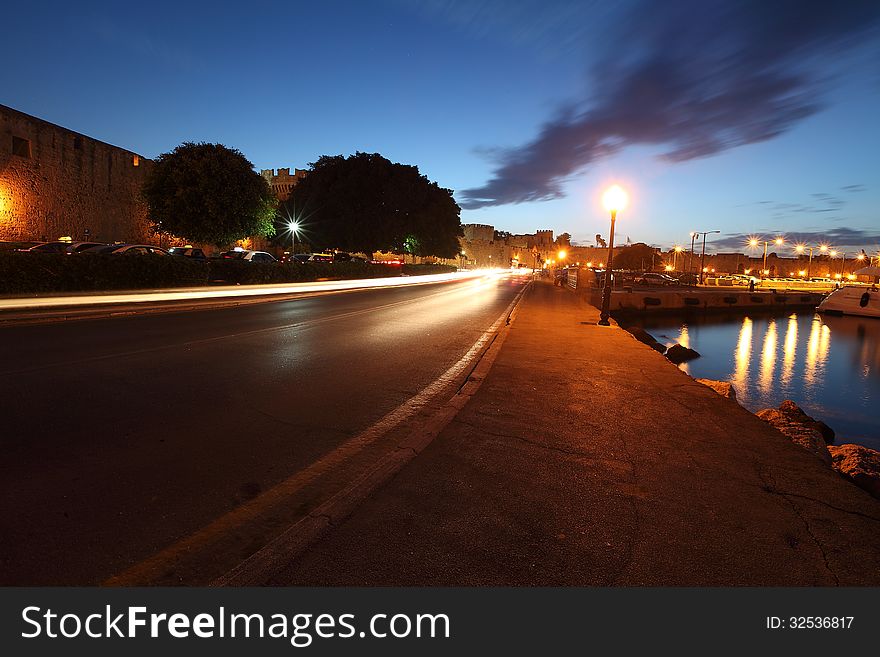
[703,254]
[754,242]
[293,226]
[691,253]
[800,250]
[613,199]
[675,253]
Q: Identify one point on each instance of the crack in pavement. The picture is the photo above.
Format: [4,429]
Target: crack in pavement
[550,448]
[770,487]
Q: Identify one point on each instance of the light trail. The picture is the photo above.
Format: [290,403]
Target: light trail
[237,291]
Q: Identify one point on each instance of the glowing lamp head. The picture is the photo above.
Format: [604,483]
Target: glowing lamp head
[799,248]
[615,198]
[562,255]
[861,256]
[678,249]
[823,248]
[802,272]
[293,226]
[753,242]
[778,241]
[833,254]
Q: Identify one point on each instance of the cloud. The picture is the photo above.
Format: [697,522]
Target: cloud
[854,188]
[694,77]
[839,238]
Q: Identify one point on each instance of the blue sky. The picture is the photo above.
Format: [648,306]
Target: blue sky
[752,121]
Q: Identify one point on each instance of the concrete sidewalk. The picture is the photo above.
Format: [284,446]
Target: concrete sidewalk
[586,458]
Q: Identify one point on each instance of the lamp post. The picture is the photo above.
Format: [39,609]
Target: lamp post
[754,242]
[800,249]
[613,199]
[691,254]
[675,253]
[293,226]
[703,254]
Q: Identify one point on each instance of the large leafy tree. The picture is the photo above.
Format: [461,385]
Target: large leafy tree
[208,193]
[637,256]
[367,203]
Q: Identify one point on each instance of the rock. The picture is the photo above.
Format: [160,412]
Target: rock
[723,388]
[646,338]
[798,432]
[678,354]
[796,414]
[858,464]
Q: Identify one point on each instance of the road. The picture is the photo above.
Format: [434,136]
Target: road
[125,438]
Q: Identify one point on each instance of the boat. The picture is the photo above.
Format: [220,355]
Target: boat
[858,300]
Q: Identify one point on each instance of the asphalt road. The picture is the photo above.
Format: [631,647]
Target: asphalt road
[123,436]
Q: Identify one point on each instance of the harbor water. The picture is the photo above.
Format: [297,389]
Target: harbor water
[829,366]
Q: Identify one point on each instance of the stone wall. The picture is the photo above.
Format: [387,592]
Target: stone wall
[55,182]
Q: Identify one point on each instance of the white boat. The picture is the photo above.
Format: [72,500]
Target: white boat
[852,300]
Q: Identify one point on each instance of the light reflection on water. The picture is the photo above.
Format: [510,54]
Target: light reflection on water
[830,366]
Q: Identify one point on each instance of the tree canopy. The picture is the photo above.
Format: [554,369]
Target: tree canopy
[638,256]
[366,203]
[208,193]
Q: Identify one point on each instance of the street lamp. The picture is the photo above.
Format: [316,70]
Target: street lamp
[293,226]
[800,250]
[691,253]
[703,254]
[613,199]
[675,253]
[754,242]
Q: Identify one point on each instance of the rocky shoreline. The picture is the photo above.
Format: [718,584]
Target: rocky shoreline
[860,465]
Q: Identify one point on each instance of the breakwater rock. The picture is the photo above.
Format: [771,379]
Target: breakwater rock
[800,428]
[858,464]
[644,337]
[678,354]
[723,388]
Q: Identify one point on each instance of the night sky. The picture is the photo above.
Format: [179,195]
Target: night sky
[755,118]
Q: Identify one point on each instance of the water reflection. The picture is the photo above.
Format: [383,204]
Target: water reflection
[830,366]
[789,351]
[684,339]
[768,358]
[743,358]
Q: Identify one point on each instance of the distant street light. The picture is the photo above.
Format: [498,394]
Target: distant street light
[754,242]
[703,269]
[800,250]
[675,253]
[293,226]
[691,253]
[613,199]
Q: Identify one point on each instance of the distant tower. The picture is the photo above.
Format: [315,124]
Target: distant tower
[283,183]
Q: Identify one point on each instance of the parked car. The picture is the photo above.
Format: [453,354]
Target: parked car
[248,256]
[321,257]
[651,278]
[187,252]
[126,249]
[61,246]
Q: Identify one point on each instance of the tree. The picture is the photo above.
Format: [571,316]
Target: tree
[208,193]
[637,256]
[366,203]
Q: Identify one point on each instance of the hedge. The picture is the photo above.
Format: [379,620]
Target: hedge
[35,273]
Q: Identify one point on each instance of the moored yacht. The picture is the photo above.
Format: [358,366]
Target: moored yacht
[852,300]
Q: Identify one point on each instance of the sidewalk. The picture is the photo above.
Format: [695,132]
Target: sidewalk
[587,459]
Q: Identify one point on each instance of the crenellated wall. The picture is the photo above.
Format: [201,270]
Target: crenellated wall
[55,182]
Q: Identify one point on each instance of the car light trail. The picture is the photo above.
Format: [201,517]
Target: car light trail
[238,291]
